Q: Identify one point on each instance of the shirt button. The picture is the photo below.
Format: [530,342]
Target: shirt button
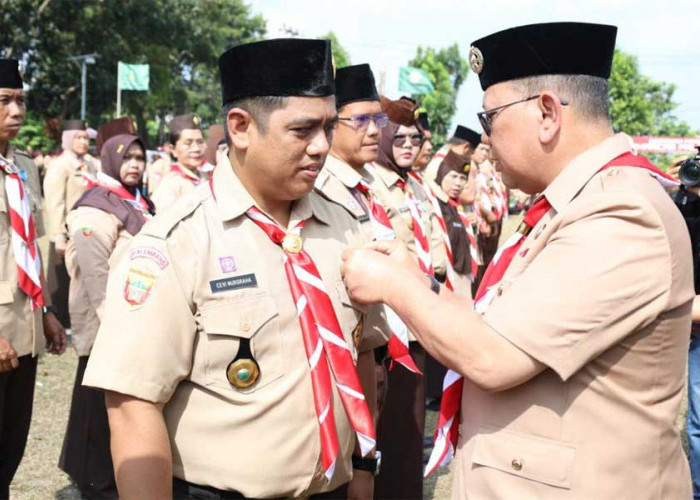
[245,326]
[516,464]
[611,172]
[499,290]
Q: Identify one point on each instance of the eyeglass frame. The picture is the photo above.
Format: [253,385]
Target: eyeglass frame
[376,117]
[486,117]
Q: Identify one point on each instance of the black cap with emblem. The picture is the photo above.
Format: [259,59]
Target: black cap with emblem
[280,67]
[467,134]
[354,84]
[183,122]
[544,49]
[9,74]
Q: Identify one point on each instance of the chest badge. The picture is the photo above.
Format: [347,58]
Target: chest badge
[292,243]
[243,371]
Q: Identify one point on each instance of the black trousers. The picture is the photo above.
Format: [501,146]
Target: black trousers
[16,399]
[86,455]
[400,432]
[182,490]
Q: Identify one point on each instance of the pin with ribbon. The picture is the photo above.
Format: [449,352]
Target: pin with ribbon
[243,371]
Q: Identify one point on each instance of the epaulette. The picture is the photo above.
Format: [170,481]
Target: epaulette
[163,223]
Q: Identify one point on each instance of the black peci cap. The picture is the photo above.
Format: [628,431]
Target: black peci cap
[354,84]
[544,49]
[422,122]
[74,125]
[9,74]
[467,134]
[280,67]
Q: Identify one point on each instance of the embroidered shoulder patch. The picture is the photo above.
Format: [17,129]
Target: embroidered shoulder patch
[150,253]
[138,286]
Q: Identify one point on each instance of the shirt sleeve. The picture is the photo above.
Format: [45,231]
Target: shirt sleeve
[604,274]
[55,195]
[145,343]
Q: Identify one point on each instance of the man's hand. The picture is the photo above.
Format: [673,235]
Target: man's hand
[54,333]
[361,486]
[8,356]
[60,247]
[368,271]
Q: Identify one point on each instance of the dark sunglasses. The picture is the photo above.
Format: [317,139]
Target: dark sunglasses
[486,117]
[400,140]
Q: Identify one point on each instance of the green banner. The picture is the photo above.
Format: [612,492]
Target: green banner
[414,81]
[133,76]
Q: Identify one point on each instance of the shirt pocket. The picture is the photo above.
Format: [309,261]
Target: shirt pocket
[225,323]
[538,459]
[6,293]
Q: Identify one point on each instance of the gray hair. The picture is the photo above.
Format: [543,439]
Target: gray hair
[588,95]
[259,109]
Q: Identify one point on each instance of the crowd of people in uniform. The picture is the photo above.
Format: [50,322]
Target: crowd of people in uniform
[266,312]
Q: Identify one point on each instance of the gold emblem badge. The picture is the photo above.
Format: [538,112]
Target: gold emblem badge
[120,148]
[195,121]
[292,243]
[242,373]
[476,60]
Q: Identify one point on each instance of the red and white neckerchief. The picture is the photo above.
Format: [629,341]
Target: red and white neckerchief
[474,255]
[420,236]
[175,167]
[116,187]
[432,197]
[326,348]
[447,432]
[500,192]
[24,244]
[398,347]
[487,200]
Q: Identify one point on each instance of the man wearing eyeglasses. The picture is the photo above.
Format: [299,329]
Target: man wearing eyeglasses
[569,366]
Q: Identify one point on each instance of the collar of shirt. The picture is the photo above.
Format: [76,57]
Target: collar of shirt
[580,170]
[10,156]
[342,171]
[233,199]
[188,172]
[388,176]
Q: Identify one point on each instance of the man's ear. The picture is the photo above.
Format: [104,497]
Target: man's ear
[240,124]
[551,114]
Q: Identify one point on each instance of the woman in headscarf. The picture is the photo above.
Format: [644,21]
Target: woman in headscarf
[109,214]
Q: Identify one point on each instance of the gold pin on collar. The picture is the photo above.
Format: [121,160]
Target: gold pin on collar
[292,243]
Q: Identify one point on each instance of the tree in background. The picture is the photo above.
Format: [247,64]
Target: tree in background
[340,55]
[180,40]
[447,70]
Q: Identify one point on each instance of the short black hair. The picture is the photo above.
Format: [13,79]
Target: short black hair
[259,109]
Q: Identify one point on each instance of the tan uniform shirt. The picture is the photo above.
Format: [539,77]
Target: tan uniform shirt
[172,187]
[21,326]
[336,183]
[94,235]
[156,171]
[181,295]
[601,293]
[63,185]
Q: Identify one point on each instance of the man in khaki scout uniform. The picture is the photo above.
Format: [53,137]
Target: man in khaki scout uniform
[573,362]
[188,147]
[203,342]
[24,323]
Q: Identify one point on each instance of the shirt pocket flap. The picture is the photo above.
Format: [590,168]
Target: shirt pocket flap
[6,296]
[241,317]
[3,204]
[539,459]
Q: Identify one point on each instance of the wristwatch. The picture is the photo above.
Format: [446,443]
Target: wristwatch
[434,284]
[48,309]
[369,464]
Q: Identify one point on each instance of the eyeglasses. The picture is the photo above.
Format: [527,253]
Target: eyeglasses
[362,121]
[400,140]
[486,117]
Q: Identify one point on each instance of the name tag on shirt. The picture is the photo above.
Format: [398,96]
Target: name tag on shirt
[233,283]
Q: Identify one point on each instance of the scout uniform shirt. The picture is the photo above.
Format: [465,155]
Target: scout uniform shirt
[156,171]
[21,326]
[336,183]
[181,297]
[173,186]
[94,236]
[600,292]
[63,185]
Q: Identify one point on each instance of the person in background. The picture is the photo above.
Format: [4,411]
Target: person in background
[27,318]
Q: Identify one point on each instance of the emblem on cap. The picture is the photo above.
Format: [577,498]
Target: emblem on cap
[476,59]
[243,373]
[292,243]
[195,121]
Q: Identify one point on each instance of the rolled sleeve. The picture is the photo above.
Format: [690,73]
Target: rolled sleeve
[144,346]
[604,274]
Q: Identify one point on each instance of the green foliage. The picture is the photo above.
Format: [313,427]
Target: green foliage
[340,55]
[180,40]
[447,70]
[640,105]
[32,135]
